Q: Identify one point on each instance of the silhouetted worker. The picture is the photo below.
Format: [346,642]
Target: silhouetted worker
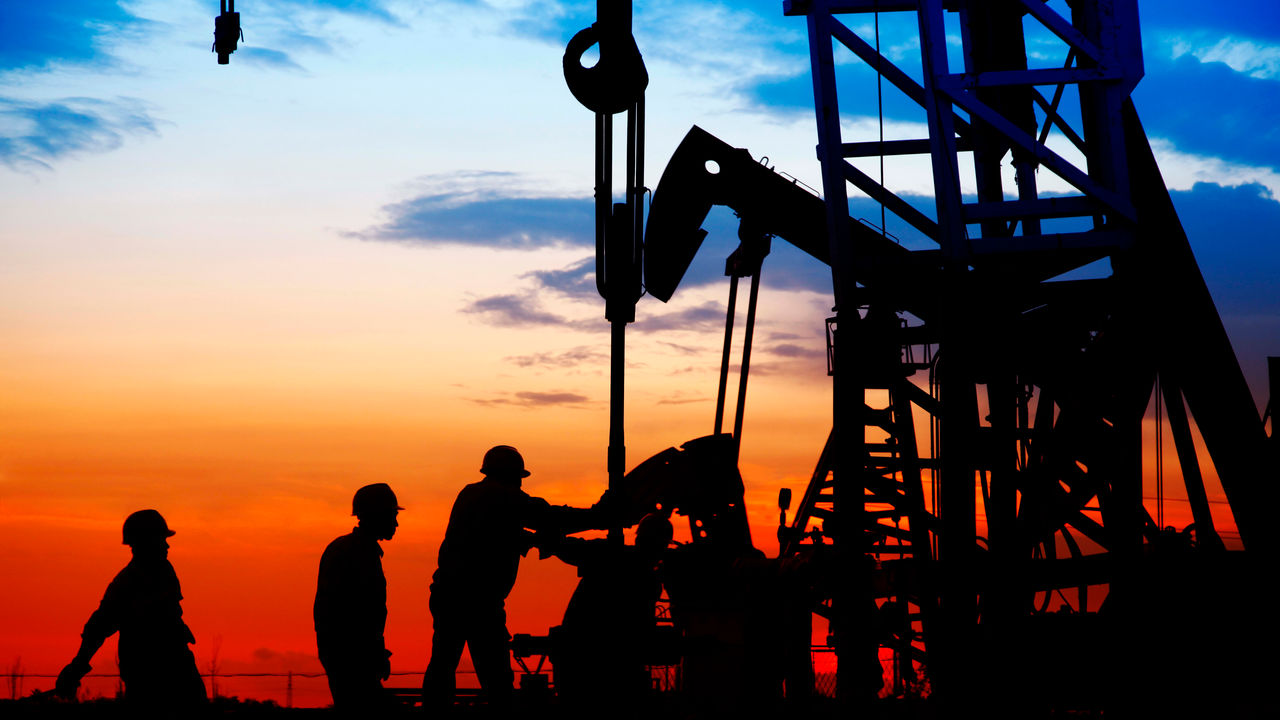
[143,604]
[609,625]
[351,604]
[479,557]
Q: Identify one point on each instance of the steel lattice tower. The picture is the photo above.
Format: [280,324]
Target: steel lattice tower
[1034,387]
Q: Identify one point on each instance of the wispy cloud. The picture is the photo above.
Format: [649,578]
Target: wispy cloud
[526,310]
[485,208]
[263,57]
[34,134]
[578,280]
[1183,170]
[683,400]
[374,9]
[1255,58]
[531,399]
[522,310]
[707,317]
[34,34]
[789,350]
[682,349]
[581,355]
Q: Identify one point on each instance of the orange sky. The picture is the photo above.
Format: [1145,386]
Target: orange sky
[249,416]
[256,481]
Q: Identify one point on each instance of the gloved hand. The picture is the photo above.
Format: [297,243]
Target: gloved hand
[528,541]
[68,681]
[547,543]
[609,510]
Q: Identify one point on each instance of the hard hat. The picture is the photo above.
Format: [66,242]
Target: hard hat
[654,528]
[374,498]
[145,525]
[503,461]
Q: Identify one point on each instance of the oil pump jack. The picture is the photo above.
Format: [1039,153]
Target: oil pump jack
[983,552]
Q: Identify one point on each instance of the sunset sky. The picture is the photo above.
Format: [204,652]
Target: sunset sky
[360,253]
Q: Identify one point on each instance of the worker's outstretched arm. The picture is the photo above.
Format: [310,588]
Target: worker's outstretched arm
[102,624]
[565,520]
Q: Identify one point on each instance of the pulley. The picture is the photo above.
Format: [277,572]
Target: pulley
[617,81]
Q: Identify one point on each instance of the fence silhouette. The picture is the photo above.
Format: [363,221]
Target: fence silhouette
[311,689]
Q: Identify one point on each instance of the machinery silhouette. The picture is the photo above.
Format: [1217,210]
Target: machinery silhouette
[999,377]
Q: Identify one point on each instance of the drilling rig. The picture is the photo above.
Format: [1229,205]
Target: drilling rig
[978,505]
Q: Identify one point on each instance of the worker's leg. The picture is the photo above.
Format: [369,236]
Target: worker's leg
[448,638]
[491,654]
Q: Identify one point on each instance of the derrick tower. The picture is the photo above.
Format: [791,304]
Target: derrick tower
[989,391]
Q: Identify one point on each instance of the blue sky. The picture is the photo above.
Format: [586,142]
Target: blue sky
[446,124]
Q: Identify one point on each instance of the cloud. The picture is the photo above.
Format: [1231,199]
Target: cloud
[683,349]
[680,400]
[487,209]
[1255,59]
[525,310]
[530,398]
[1243,17]
[375,9]
[263,57]
[34,134]
[581,355]
[1183,171]
[513,311]
[34,34]
[703,39]
[789,350]
[576,280]
[706,317]
[1240,127]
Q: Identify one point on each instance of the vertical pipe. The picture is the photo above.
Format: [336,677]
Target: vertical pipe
[746,364]
[604,192]
[724,358]
[617,396]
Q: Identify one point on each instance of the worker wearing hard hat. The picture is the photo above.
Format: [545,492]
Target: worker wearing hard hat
[479,557]
[609,629]
[143,604]
[351,603]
